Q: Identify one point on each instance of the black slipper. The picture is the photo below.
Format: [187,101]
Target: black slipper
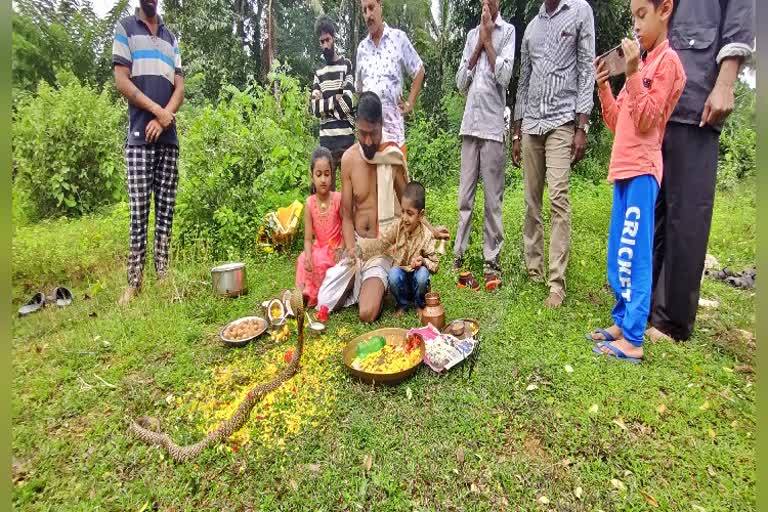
[62,296]
[36,303]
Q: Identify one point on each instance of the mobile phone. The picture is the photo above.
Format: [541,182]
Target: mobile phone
[614,60]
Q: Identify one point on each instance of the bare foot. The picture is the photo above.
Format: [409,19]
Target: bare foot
[398,313]
[629,349]
[655,335]
[128,295]
[614,331]
[554,300]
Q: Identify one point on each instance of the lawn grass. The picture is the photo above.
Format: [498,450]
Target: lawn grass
[490,442]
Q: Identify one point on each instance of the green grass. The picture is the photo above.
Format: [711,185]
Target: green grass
[73,451]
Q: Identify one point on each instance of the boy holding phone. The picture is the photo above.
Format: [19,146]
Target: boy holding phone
[638,117]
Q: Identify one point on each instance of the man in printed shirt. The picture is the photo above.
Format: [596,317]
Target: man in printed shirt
[637,118]
[551,121]
[332,96]
[712,38]
[147,67]
[382,59]
[483,76]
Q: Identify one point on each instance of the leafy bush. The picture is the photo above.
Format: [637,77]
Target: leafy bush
[738,141]
[241,159]
[434,154]
[67,149]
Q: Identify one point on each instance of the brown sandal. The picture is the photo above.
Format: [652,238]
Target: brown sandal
[492,281]
[467,280]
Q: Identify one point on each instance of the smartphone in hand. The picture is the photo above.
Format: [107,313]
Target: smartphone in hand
[614,59]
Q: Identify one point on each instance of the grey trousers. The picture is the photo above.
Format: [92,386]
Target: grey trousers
[482,158]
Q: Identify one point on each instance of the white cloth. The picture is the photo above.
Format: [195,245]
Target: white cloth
[385,160]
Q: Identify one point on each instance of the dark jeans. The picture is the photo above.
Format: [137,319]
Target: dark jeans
[683,218]
[409,288]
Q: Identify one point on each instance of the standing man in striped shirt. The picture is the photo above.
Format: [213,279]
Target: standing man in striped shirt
[147,66]
[332,96]
[551,121]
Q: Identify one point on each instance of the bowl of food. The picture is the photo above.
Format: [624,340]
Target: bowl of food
[240,332]
[384,356]
[463,328]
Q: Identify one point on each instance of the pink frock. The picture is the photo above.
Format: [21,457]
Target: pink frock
[327,231]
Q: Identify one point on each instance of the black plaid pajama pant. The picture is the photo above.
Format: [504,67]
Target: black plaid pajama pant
[152,170]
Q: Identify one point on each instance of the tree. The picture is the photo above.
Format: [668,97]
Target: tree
[62,35]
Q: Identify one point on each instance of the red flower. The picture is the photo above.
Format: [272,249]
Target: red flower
[288,355]
[260,417]
[294,389]
[235,448]
[322,313]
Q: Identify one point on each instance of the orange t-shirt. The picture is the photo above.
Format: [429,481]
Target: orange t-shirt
[639,115]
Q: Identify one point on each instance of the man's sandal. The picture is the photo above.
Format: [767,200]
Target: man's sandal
[467,280]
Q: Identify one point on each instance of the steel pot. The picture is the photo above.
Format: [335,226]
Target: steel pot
[229,280]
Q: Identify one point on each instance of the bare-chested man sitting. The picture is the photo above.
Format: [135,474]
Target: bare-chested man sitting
[373,178]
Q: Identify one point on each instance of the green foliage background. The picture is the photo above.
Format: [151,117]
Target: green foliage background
[67,149]
[245,132]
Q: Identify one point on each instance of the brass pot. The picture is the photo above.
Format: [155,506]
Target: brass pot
[434,313]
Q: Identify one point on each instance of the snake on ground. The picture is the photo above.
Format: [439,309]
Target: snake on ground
[143,428]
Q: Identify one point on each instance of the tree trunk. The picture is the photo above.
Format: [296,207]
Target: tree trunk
[255,43]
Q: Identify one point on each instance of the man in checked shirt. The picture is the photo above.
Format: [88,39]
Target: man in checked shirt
[551,121]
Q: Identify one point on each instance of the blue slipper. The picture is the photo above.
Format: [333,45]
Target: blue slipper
[617,353]
[605,333]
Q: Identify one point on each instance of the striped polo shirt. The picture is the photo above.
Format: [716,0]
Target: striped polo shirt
[154,62]
[337,121]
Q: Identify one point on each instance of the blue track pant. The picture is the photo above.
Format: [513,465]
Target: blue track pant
[630,251]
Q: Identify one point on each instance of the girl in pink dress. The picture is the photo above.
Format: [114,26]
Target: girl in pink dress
[322,219]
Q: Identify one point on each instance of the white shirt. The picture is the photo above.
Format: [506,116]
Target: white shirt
[381,70]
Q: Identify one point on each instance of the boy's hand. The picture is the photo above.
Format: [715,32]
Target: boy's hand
[308,264]
[316,95]
[416,262]
[602,73]
[631,55]
[441,233]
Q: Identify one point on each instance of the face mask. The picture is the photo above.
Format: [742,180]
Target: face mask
[369,151]
[328,54]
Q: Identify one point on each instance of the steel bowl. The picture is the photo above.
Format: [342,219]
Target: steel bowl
[241,343]
[229,280]
[393,336]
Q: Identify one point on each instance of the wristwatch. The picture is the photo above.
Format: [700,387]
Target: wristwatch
[515,137]
[584,127]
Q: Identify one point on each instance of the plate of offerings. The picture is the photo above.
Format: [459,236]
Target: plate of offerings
[384,356]
[241,331]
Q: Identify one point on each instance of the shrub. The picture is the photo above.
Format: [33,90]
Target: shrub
[738,141]
[67,149]
[434,154]
[241,159]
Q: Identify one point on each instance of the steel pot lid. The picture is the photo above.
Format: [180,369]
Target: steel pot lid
[228,266]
